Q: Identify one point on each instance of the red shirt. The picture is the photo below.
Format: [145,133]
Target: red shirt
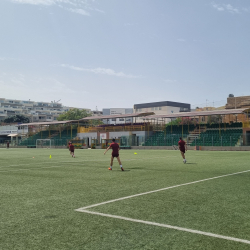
[71,147]
[115,147]
[181,143]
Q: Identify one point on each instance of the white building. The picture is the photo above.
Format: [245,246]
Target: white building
[35,111]
[117,111]
[162,108]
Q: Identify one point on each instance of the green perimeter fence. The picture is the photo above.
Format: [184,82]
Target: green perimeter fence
[209,138]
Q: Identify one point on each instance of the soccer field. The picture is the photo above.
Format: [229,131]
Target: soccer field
[156,203]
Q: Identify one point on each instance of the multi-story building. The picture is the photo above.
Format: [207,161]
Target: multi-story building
[162,108]
[35,111]
[117,111]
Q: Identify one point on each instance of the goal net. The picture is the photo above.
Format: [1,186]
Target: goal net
[44,143]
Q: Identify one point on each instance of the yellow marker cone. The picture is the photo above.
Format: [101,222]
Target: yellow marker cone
[50,156]
[135,153]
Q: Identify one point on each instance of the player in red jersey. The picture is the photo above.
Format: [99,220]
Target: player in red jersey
[183,148]
[115,153]
[72,149]
[69,147]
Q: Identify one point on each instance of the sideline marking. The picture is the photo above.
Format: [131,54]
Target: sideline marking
[168,226]
[73,161]
[24,169]
[83,210]
[158,190]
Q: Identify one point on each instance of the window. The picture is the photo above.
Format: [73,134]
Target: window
[156,108]
[159,108]
[152,109]
[113,119]
[121,119]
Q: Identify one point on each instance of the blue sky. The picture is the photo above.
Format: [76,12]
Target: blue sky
[114,53]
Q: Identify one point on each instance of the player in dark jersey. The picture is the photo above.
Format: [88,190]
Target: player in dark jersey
[72,149]
[69,147]
[183,148]
[115,153]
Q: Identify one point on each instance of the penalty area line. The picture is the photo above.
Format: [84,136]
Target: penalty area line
[167,226]
[158,190]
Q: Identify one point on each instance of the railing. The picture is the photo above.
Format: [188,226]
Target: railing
[115,128]
[246,124]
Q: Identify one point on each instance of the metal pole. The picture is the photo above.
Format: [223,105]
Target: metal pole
[219,128]
[71,130]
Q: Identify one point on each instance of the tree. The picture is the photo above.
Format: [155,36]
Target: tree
[16,119]
[73,114]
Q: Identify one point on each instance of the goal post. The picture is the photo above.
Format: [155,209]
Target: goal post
[44,143]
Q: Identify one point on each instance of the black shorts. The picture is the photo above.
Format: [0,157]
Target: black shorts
[115,155]
[72,151]
[182,150]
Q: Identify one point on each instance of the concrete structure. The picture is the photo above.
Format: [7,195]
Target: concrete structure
[14,130]
[238,102]
[117,111]
[35,111]
[135,137]
[162,108]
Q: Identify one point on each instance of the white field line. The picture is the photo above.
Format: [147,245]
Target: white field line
[73,161]
[25,169]
[158,190]
[168,226]
[83,210]
[42,163]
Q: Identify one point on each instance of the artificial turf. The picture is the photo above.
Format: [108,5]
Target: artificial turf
[39,196]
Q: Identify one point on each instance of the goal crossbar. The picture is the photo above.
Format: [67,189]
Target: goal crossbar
[44,143]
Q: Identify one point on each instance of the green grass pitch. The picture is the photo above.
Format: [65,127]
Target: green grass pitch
[39,197]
